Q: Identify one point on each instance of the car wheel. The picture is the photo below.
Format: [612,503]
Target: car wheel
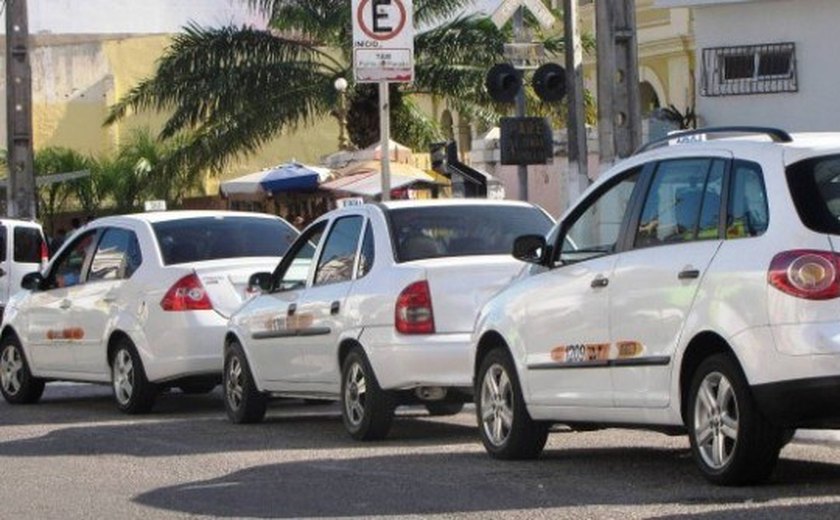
[444,409]
[197,388]
[16,381]
[243,402]
[507,429]
[732,443]
[133,393]
[366,409]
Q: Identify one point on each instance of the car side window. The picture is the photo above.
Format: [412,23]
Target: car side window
[678,195]
[339,253]
[294,268]
[595,231]
[27,244]
[67,270]
[747,214]
[2,243]
[367,254]
[116,257]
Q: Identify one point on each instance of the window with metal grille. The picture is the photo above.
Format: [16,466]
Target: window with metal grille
[749,69]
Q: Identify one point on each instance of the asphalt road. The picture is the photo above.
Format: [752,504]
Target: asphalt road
[74,456]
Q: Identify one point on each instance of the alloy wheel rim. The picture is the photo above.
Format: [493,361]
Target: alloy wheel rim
[716,420]
[123,376]
[234,386]
[11,368]
[496,405]
[355,394]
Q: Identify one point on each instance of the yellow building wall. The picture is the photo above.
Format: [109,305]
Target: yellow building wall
[76,79]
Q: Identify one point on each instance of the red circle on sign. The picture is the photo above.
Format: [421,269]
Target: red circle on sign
[387,36]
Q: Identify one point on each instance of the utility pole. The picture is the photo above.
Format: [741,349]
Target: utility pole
[20,193]
[521,36]
[619,110]
[578,175]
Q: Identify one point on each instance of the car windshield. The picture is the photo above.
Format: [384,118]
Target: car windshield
[445,231]
[815,187]
[212,238]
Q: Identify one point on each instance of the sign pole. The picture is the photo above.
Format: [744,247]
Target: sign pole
[578,175]
[385,138]
[520,37]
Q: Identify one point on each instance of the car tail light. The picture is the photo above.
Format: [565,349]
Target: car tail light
[413,313]
[45,255]
[808,274]
[186,295]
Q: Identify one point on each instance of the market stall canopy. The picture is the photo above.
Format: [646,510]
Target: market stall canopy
[291,176]
[363,180]
[398,153]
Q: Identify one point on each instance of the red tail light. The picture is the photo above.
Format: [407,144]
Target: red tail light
[45,254]
[413,313]
[804,273]
[186,295]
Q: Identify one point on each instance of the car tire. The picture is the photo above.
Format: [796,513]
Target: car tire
[244,403]
[366,409]
[507,429]
[197,388]
[732,442]
[17,383]
[444,409]
[133,393]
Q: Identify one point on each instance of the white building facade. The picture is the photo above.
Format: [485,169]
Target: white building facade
[766,62]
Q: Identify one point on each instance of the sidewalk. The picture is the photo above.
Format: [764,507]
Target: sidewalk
[821,436]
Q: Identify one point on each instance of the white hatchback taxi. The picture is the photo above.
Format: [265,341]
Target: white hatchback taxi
[694,287]
[141,301]
[374,306]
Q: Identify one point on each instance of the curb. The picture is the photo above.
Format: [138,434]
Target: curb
[818,436]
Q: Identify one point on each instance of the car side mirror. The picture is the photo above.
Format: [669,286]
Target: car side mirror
[32,281]
[259,282]
[530,248]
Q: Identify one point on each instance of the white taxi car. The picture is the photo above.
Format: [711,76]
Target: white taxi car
[141,301]
[374,306]
[694,287]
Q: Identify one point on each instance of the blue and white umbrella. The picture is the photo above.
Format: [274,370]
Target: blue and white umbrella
[291,176]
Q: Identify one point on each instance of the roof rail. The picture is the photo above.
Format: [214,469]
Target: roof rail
[776,134]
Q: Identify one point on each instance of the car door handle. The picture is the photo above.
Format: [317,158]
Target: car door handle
[599,281]
[291,310]
[65,304]
[688,274]
[335,307]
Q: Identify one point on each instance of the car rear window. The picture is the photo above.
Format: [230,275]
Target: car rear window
[815,188]
[28,242]
[444,231]
[213,238]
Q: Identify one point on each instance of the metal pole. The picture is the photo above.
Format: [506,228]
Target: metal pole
[519,36]
[385,139]
[20,193]
[578,176]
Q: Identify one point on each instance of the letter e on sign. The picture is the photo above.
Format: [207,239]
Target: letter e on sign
[383,41]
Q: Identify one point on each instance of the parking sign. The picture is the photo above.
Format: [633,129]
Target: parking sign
[383,41]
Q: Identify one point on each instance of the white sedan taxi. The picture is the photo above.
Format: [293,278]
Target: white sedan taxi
[374,306]
[139,301]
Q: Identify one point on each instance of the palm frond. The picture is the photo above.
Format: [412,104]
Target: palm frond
[428,12]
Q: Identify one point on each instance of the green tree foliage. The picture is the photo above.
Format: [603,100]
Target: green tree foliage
[53,197]
[229,90]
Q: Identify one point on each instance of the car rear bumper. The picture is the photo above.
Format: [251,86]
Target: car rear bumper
[184,344]
[410,361]
[811,403]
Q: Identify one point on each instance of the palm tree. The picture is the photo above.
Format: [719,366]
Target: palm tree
[54,197]
[229,90]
